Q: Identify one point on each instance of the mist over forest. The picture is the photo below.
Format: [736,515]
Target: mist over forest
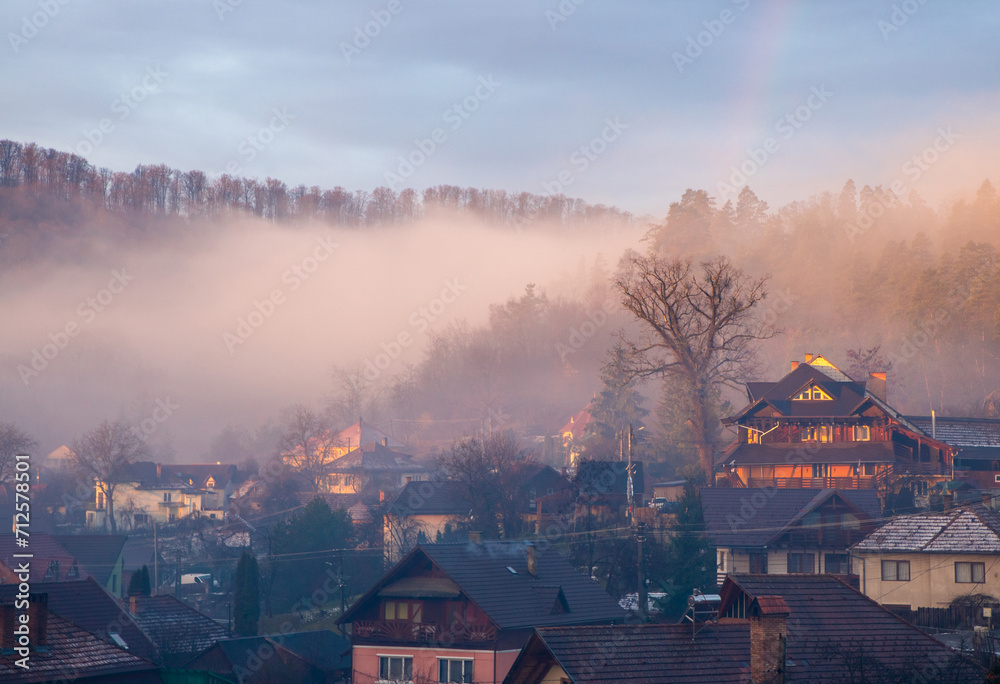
[441,313]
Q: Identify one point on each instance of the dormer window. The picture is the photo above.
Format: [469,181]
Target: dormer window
[813,393]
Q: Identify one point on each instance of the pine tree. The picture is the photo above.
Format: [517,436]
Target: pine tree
[246,596]
[690,557]
[139,584]
[615,407]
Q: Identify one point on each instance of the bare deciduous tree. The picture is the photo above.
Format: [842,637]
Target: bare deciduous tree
[493,469]
[13,441]
[308,443]
[698,329]
[105,454]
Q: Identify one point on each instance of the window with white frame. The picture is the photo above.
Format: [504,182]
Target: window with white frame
[452,670]
[862,433]
[967,573]
[395,668]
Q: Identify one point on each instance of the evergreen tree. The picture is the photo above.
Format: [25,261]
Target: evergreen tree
[615,407]
[139,584]
[246,596]
[690,557]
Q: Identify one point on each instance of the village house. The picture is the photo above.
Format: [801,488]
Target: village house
[779,531]
[462,612]
[102,555]
[422,513]
[370,469]
[931,559]
[819,428]
[977,462]
[215,481]
[572,434]
[767,629]
[148,492]
[49,562]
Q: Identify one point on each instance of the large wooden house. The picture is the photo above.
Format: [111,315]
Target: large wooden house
[462,612]
[819,428]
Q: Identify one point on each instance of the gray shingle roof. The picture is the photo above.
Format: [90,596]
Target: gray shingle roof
[754,517]
[433,497]
[512,600]
[965,529]
[640,653]
[961,432]
[174,627]
[98,553]
[833,629]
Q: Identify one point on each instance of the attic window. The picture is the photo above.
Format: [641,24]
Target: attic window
[116,637]
[511,570]
[813,393]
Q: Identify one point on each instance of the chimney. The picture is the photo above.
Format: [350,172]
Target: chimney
[809,357]
[8,621]
[38,618]
[475,537]
[532,561]
[795,364]
[988,500]
[385,441]
[157,471]
[877,385]
[133,605]
[768,631]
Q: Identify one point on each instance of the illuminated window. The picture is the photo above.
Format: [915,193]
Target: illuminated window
[813,393]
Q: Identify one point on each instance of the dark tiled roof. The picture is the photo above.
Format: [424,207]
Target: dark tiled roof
[44,550]
[375,458]
[808,452]
[325,649]
[199,473]
[846,396]
[98,553]
[90,606]
[965,529]
[362,433]
[173,626]
[652,654]
[833,628]
[510,600]
[74,654]
[755,517]
[961,432]
[433,497]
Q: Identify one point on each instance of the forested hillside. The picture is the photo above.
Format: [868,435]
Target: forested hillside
[871,280]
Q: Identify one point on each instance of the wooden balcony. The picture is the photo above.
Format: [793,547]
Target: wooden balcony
[399,630]
[864,482]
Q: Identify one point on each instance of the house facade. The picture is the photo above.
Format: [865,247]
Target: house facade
[462,612]
[819,428]
[149,492]
[370,469]
[423,512]
[787,531]
[928,560]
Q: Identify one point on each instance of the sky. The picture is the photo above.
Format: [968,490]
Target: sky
[622,103]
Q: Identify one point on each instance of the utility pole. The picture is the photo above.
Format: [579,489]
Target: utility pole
[629,482]
[640,537]
[156,556]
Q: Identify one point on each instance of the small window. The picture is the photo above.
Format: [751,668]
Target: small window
[895,571]
[836,563]
[395,668]
[52,572]
[390,610]
[803,563]
[454,670]
[862,433]
[967,573]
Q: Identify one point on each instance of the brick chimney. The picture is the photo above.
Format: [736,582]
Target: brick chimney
[532,561]
[795,364]
[38,618]
[8,621]
[809,357]
[877,385]
[768,631]
[133,605]
[475,537]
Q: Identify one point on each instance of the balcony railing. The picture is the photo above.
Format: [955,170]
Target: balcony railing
[863,482]
[397,630]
